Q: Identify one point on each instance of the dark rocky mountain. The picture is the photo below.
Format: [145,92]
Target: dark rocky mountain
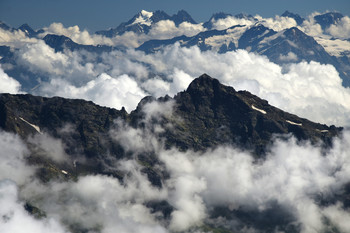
[327,19]
[296,17]
[206,115]
[142,22]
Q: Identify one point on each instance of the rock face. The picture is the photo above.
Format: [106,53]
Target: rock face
[215,114]
[206,115]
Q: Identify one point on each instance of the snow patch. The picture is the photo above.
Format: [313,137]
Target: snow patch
[258,109]
[37,128]
[335,47]
[294,123]
[232,36]
[144,18]
[322,131]
[64,172]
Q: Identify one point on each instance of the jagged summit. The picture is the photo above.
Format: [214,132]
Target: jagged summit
[218,114]
[211,113]
[143,21]
[182,16]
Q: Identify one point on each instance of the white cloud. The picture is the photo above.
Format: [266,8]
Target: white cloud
[230,21]
[278,23]
[78,36]
[292,174]
[290,57]
[8,84]
[49,147]
[340,30]
[166,29]
[16,38]
[310,27]
[104,90]
[13,165]
[39,57]
[15,219]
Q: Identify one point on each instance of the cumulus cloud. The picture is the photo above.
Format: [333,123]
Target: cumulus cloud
[15,38]
[310,26]
[278,23]
[292,174]
[8,84]
[104,90]
[13,165]
[230,21]
[15,219]
[119,79]
[340,30]
[78,36]
[166,29]
[39,57]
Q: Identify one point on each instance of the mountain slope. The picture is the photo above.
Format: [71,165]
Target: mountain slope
[206,115]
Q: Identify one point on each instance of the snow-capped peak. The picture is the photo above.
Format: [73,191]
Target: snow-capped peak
[144,17]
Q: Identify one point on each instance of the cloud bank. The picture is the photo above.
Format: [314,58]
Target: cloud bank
[119,79]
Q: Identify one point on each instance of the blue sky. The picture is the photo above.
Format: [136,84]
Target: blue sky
[95,15]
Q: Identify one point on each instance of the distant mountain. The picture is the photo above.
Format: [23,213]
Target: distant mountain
[30,31]
[327,19]
[215,17]
[59,43]
[285,46]
[182,16]
[298,19]
[197,40]
[142,22]
[289,45]
[4,26]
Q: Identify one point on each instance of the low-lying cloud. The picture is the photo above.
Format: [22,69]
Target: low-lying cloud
[292,181]
[8,84]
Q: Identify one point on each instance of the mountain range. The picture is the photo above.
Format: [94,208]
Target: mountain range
[284,46]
